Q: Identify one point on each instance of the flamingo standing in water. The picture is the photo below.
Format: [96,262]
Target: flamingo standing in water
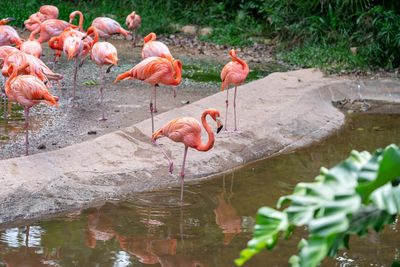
[106,27]
[45,12]
[102,53]
[153,48]
[133,21]
[27,90]
[8,35]
[188,131]
[155,70]
[5,50]
[235,72]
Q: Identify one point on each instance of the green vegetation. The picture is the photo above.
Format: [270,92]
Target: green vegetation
[360,193]
[307,33]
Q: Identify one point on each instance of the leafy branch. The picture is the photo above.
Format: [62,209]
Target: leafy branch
[360,193]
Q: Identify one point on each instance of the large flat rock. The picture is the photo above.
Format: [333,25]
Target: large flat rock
[278,113]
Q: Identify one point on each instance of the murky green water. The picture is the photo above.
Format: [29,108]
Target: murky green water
[151,229]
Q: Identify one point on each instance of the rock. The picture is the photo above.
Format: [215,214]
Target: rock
[205,31]
[189,29]
[92,132]
[41,146]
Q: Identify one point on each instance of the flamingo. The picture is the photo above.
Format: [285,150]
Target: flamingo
[72,16]
[153,48]
[133,21]
[27,90]
[155,70]
[4,52]
[45,12]
[235,72]
[49,28]
[188,131]
[106,27]
[57,42]
[102,53]
[36,67]
[8,35]
[74,48]
[31,47]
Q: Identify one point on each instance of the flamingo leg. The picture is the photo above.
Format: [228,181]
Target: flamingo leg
[5,105]
[151,109]
[133,45]
[101,94]
[155,99]
[75,74]
[183,172]
[173,91]
[26,109]
[226,112]
[171,164]
[234,110]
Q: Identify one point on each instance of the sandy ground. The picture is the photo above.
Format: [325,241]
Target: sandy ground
[126,103]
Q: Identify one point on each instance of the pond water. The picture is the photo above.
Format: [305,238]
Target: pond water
[152,229]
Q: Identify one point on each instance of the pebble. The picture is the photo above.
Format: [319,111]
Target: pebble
[41,146]
[92,132]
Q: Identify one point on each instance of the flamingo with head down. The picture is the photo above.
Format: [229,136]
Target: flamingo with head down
[27,90]
[155,70]
[106,27]
[45,12]
[188,131]
[36,67]
[153,48]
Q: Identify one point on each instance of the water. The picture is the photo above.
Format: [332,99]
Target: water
[151,229]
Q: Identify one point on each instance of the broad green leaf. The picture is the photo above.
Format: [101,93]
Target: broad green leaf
[387,198]
[389,169]
[314,252]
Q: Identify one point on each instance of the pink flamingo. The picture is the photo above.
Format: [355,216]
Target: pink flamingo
[49,28]
[72,16]
[4,52]
[106,27]
[188,131]
[235,72]
[27,90]
[45,12]
[8,35]
[74,48]
[153,48]
[133,21]
[102,53]
[36,67]
[57,42]
[155,70]
[31,47]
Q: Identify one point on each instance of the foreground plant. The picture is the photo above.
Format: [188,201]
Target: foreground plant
[360,193]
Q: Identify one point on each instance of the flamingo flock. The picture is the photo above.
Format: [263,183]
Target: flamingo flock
[28,76]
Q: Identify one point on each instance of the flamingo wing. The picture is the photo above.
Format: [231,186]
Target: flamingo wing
[186,130]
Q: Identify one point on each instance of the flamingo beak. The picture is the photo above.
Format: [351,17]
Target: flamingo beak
[84,37]
[219,125]
[10,19]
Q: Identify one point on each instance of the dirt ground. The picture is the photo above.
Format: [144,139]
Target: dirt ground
[126,103]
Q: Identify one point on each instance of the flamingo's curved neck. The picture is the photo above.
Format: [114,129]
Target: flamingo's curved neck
[80,19]
[150,38]
[92,30]
[14,73]
[241,62]
[177,72]
[210,143]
